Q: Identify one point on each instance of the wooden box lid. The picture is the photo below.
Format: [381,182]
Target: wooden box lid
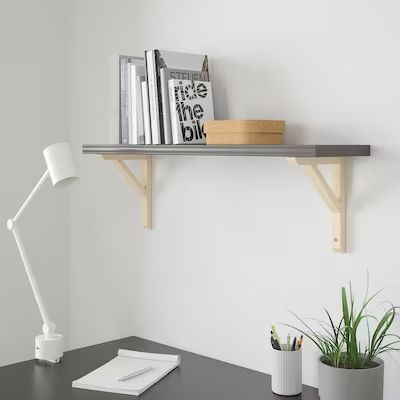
[244,126]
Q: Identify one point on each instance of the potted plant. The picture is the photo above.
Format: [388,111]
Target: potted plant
[349,369]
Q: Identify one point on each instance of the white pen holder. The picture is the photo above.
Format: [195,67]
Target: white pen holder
[286,372]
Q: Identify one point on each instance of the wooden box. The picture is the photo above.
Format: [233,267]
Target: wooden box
[244,131]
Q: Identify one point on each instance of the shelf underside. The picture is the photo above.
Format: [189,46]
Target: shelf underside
[232,150]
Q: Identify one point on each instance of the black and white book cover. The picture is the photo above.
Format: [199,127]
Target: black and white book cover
[155,61]
[171,73]
[191,105]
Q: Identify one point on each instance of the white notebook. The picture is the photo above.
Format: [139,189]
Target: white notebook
[105,378]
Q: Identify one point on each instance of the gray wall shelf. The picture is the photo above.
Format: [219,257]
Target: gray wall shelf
[309,157]
[233,150]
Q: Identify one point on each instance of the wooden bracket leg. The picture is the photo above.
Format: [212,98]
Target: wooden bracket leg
[142,185]
[339,218]
[334,195]
[146,167]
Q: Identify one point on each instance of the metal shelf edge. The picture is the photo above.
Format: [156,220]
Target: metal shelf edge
[233,150]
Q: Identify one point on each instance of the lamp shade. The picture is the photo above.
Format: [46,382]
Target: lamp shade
[59,162]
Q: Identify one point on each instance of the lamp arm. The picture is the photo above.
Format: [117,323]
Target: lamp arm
[48,326]
[40,183]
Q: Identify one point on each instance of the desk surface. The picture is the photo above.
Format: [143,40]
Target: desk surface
[197,378]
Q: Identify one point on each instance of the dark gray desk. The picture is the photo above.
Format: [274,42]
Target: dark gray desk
[198,378]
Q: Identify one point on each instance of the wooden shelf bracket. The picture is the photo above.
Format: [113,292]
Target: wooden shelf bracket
[310,157]
[333,195]
[142,184]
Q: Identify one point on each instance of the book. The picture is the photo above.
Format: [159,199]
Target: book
[127,119]
[124,65]
[155,60]
[107,378]
[146,113]
[191,105]
[171,73]
[129,101]
[136,126]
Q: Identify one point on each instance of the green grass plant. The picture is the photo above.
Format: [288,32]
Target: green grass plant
[339,342]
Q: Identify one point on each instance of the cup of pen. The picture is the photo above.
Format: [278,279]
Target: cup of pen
[286,379]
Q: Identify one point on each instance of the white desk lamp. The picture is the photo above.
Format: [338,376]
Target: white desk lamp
[49,346]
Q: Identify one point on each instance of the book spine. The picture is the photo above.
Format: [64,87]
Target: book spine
[134,106]
[165,101]
[146,114]
[172,108]
[139,111]
[129,104]
[124,111]
[157,77]
[152,90]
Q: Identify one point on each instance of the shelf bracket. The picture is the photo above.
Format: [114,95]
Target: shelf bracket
[142,184]
[333,195]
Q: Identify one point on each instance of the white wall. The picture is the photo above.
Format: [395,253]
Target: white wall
[33,101]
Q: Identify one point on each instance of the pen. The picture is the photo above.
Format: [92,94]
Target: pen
[294,344]
[275,334]
[276,340]
[300,342]
[288,345]
[133,374]
[277,345]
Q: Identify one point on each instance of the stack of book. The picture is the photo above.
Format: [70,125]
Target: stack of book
[165,98]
